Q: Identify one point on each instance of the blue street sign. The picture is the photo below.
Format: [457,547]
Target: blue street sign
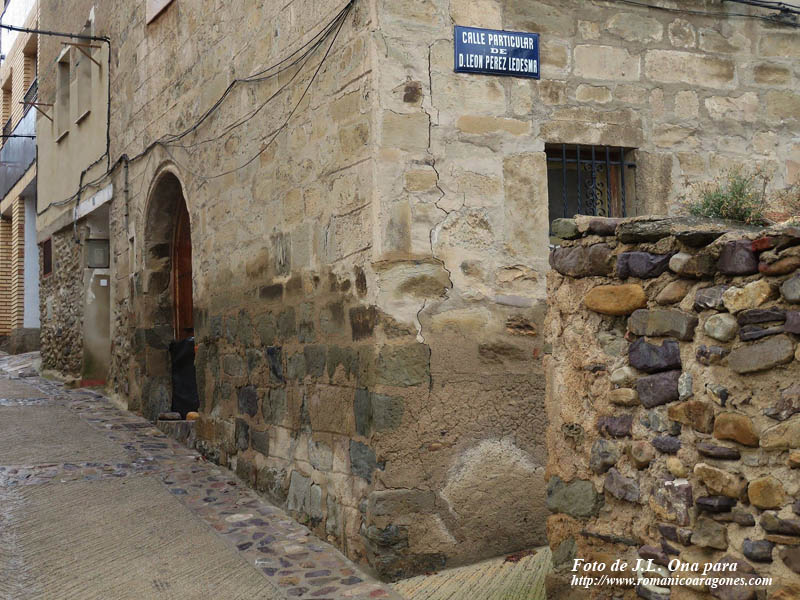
[496,52]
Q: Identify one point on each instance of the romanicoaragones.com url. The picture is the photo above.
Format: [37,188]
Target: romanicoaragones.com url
[586,581]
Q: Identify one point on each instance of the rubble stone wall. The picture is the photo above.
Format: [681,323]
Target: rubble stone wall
[674,389]
[61,306]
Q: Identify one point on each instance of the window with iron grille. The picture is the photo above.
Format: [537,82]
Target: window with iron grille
[590,180]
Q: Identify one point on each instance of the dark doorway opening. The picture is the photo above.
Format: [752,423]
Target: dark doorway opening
[167,311]
[182,349]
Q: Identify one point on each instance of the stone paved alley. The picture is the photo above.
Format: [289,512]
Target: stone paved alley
[95,502]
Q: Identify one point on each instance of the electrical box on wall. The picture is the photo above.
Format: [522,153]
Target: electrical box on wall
[97,254]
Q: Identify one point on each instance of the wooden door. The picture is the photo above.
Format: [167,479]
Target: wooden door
[182,275]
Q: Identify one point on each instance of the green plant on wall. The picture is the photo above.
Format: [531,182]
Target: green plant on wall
[737,195]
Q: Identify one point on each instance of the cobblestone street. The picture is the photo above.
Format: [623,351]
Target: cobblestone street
[95,502]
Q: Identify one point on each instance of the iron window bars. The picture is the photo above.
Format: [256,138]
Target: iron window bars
[591,180]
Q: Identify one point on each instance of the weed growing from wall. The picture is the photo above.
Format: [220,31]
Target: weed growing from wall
[737,195]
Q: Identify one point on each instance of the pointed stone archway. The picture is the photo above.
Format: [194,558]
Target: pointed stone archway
[165,307]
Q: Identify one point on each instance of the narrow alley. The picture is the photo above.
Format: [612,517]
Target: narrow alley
[95,502]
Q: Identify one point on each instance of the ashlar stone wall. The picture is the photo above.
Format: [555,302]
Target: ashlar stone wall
[319,384]
[282,283]
[280,213]
[674,388]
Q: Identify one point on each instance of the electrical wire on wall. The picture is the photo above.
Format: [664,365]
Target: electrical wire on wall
[291,113]
[334,26]
[106,155]
[298,58]
[783,7]
[301,54]
[788,14]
